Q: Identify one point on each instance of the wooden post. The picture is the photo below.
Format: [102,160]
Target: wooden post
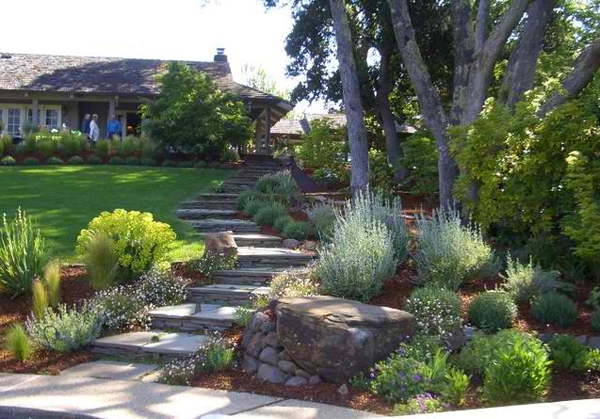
[268,128]
[34,112]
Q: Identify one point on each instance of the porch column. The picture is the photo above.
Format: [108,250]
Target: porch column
[268,128]
[35,105]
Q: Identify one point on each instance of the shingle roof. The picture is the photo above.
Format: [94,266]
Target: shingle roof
[291,126]
[59,73]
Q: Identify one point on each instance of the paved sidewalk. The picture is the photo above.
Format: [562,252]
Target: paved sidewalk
[131,399]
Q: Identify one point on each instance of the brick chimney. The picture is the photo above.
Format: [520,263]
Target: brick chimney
[220,57]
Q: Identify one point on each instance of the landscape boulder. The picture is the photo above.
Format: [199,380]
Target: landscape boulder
[221,243]
[337,338]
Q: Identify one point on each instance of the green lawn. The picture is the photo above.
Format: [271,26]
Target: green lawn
[64,199]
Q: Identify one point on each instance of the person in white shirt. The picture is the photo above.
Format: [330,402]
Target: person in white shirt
[94,131]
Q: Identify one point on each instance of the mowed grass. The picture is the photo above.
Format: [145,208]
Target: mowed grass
[63,200]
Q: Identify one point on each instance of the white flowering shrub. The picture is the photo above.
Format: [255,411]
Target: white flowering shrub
[450,254]
[123,309]
[65,329]
[211,262]
[159,288]
[179,371]
[294,284]
[437,311]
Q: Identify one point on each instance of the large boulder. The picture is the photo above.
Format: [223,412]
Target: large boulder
[337,338]
[221,243]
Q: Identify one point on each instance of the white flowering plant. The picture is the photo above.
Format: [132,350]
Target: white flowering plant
[436,310]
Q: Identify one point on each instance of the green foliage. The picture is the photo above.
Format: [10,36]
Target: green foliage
[593,298]
[247,196]
[492,311]
[31,161]
[294,284]
[567,353]
[116,161]
[419,404]
[54,161]
[101,261]
[282,221]
[279,183]
[129,146]
[72,144]
[481,349]
[322,217]
[65,329]
[269,213]
[324,148]
[102,148]
[148,161]
[159,288]
[75,160]
[5,144]
[456,386]
[94,160]
[191,113]
[132,161]
[47,147]
[554,308]
[216,356]
[17,342]
[420,159]
[40,298]
[518,374]
[185,164]
[52,283]
[229,156]
[298,230]
[211,262]
[7,161]
[381,173]
[595,320]
[436,310]
[243,315]
[450,254]
[525,282]
[123,308]
[169,163]
[138,241]
[23,254]
[253,206]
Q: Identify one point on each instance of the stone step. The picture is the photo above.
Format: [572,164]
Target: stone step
[214,225]
[191,318]
[256,277]
[229,294]
[218,196]
[235,188]
[257,240]
[155,345]
[241,182]
[208,204]
[256,257]
[112,370]
[200,213]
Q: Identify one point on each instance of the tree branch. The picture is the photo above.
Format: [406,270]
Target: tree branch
[483,13]
[492,47]
[586,65]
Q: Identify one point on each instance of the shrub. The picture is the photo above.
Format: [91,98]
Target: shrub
[202,164]
[230,155]
[252,207]
[184,164]
[71,143]
[420,160]
[437,311]
[101,261]
[169,163]
[421,403]
[450,254]
[280,183]
[280,222]
[52,283]
[215,356]
[519,373]
[324,147]
[524,282]
[116,161]
[22,254]
[567,353]
[139,242]
[40,298]
[148,161]
[7,161]
[31,161]
[358,261]
[75,160]
[54,161]
[455,387]
[17,342]
[595,320]
[94,160]
[243,315]
[269,213]
[298,230]
[132,161]
[492,311]
[123,309]
[47,146]
[178,372]
[102,148]
[554,308]
[294,284]
[159,288]
[5,144]
[211,262]
[248,196]
[129,146]
[322,216]
[66,329]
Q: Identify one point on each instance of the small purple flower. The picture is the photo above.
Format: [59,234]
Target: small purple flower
[416,378]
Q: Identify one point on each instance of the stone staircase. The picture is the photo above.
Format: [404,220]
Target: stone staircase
[178,330]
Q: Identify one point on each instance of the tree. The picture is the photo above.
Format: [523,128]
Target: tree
[191,114]
[258,78]
[355,118]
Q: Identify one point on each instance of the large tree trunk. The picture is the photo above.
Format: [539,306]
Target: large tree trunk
[586,65]
[431,104]
[520,74]
[387,118]
[357,132]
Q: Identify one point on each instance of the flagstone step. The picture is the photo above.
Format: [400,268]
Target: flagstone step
[218,196]
[203,213]
[209,204]
[211,225]
[191,317]
[236,188]
[272,257]
[257,240]
[228,294]
[154,345]
[256,277]
[111,370]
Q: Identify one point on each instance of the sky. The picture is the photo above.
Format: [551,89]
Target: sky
[161,29]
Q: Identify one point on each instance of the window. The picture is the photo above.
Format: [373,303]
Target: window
[30,117]
[1,121]
[13,122]
[51,118]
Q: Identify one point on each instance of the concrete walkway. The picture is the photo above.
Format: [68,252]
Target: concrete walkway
[132,399]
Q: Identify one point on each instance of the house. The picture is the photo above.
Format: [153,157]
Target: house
[56,91]
[292,130]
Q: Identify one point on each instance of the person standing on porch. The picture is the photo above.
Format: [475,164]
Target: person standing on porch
[113,128]
[85,125]
[94,131]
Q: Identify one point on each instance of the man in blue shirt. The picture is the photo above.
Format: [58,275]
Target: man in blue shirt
[113,128]
[85,124]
